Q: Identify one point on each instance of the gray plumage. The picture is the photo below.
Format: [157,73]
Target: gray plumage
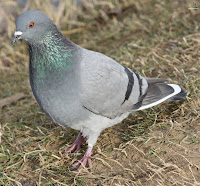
[83,89]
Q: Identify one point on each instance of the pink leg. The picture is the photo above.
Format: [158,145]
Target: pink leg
[86,158]
[77,144]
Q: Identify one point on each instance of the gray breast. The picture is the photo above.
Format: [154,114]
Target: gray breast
[59,98]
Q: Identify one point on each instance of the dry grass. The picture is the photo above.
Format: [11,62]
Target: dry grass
[158,146]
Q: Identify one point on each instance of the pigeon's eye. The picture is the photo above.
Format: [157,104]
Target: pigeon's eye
[31,25]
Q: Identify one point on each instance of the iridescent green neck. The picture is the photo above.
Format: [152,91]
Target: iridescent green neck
[51,57]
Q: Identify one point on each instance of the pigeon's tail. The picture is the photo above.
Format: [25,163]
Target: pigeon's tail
[159,91]
[179,96]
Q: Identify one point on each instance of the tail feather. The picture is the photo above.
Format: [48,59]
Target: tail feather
[179,96]
[158,91]
[156,80]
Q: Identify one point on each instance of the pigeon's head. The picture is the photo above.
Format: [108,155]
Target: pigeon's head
[32,25]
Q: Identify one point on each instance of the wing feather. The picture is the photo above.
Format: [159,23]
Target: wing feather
[104,84]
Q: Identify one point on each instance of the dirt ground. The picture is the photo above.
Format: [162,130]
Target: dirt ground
[157,146]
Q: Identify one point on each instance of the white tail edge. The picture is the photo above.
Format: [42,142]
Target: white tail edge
[177,89]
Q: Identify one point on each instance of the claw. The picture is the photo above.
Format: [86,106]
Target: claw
[77,144]
[86,159]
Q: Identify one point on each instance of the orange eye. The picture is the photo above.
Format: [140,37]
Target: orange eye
[31,25]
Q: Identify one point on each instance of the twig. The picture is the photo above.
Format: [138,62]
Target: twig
[11,99]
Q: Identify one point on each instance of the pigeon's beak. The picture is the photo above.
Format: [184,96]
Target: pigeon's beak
[17,36]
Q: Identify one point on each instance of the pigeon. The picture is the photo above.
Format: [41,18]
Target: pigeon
[83,89]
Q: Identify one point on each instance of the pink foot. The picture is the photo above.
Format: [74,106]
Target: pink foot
[86,158]
[77,144]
